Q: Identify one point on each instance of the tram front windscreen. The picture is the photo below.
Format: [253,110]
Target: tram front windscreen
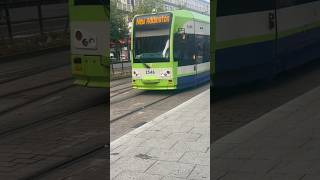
[152,38]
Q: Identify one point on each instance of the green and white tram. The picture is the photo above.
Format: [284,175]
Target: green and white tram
[89,32]
[255,40]
[170,50]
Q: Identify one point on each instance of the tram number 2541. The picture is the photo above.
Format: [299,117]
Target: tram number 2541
[150,71]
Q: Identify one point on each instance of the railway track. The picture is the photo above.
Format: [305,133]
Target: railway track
[16,95]
[121,88]
[68,160]
[13,76]
[34,87]
[135,109]
[116,98]
[120,91]
[66,84]
[32,100]
[141,108]
[67,163]
[33,124]
[60,118]
[120,82]
[57,106]
[115,89]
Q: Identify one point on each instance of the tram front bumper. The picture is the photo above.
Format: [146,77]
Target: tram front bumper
[153,84]
[89,71]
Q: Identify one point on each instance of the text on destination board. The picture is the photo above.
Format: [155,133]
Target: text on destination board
[153,20]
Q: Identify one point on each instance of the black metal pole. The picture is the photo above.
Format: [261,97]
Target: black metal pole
[112,68]
[67,24]
[8,20]
[122,71]
[40,17]
[128,48]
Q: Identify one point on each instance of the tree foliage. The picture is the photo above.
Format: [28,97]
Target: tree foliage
[147,6]
[118,22]
[119,19]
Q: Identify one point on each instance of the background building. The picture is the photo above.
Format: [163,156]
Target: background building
[200,6]
[125,5]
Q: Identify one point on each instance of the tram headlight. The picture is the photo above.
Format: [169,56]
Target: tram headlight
[85,42]
[83,39]
[165,73]
[136,74]
[92,41]
[78,35]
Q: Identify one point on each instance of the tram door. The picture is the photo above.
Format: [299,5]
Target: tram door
[188,54]
[195,54]
[293,36]
[202,31]
[185,51]
[245,40]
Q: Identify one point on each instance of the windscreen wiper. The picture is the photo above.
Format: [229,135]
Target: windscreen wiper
[145,64]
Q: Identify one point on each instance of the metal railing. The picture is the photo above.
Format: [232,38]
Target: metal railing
[14,20]
[120,68]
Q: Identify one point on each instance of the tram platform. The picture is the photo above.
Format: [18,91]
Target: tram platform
[283,144]
[175,145]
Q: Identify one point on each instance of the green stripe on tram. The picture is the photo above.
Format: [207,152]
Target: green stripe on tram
[299,29]
[265,37]
[244,41]
[186,74]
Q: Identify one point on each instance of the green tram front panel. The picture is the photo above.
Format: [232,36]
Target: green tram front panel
[89,39]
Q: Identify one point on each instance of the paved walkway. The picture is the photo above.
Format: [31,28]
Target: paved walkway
[281,145]
[174,145]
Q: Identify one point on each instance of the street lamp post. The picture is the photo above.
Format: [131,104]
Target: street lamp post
[119,47]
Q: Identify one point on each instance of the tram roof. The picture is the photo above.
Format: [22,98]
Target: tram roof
[186,14]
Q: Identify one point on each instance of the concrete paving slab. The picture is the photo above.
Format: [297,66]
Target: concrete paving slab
[175,145]
[282,144]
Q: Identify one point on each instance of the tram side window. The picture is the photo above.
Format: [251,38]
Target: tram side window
[207,49]
[288,3]
[184,49]
[231,7]
[199,48]
[202,48]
